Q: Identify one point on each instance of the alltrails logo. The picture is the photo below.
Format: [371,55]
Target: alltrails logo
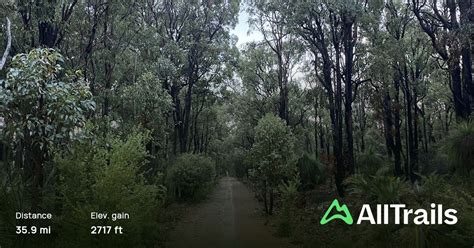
[347,217]
[401,214]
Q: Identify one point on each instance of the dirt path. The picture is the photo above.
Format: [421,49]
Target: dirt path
[230,218]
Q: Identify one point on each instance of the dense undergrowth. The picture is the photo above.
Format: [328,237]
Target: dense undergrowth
[446,178]
[109,174]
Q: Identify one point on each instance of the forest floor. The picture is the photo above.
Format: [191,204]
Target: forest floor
[230,218]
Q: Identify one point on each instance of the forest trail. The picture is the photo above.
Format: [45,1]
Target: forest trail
[230,218]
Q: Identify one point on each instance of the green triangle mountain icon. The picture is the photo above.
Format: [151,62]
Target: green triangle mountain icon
[346,216]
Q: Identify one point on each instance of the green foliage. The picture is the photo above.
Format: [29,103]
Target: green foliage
[238,158]
[13,195]
[107,175]
[453,193]
[431,186]
[273,150]
[460,147]
[170,66]
[289,194]
[42,101]
[191,176]
[147,101]
[435,188]
[369,162]
[272,157]
[310,171]
[379,188]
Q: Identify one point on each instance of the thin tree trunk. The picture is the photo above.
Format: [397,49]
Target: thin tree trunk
[425,134]
[316,127]
[465,6]
[388,125]
[265,201]
[348,54]
[409,128]
[183,139]
[108,32]
[270,209]
[340,169]
[396,121]
[177,117]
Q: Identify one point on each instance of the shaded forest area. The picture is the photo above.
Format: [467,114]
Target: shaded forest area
[139,106]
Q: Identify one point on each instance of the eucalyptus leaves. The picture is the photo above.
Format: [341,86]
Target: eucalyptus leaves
[41,101]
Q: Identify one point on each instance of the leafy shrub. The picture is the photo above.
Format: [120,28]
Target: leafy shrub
[272,156]
[239,162]
[289,194]
[65,99]
[460,147]
[369,162]
[14,197]
[146,102]
[379,188]
[310,172]
[43,105]
[431,189]
[191,175]
[434,188]
[107,175]
[430,186]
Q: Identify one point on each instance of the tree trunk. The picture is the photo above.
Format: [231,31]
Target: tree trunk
[466,9]
[425,133]
[396,121]
[270,207]
[363,124]
[340,170]
[265,200]
[411,155]
[283,84]
[108,68]
[37,159]
[388,125]
[415,122]
[47,34]
[321,137]
[177,117]
[316,127]
[183,139]
[349,56]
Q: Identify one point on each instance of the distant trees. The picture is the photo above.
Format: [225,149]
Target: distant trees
[330,32]
[319,33]
[145,102]
[371,50]
[268,17]
[194,43]
[160,65]
[44,25]
[186,44]
[397,23]
[447,24]
[190,176]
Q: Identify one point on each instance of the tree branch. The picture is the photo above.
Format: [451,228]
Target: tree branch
[9,44]
[356,87]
